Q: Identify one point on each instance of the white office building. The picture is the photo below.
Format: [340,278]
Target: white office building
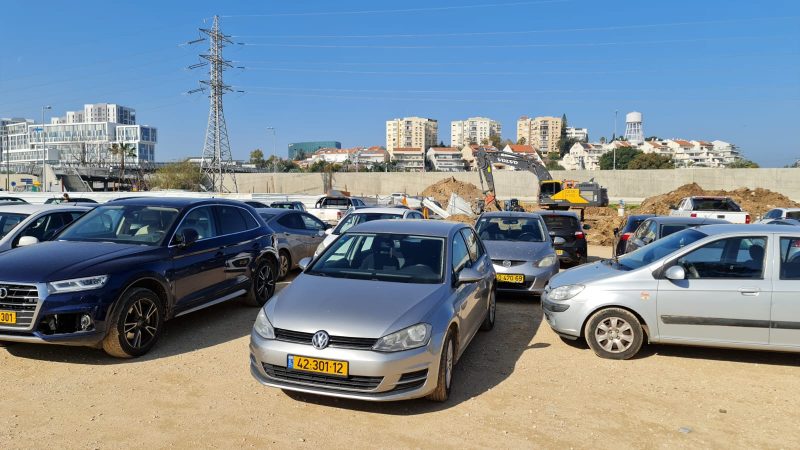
[78,138]
[579,134]
[475,130]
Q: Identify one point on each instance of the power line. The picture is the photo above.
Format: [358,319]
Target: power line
[520,32]
[394,11]
[532,45]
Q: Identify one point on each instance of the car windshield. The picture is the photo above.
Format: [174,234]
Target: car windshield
[633,224]
[282,205]
[122,224]
[659,249]
[400,258]
[667,230]
[9,221]
[522,229]
[354,219]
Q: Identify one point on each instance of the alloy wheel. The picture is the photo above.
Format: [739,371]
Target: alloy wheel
[614,335]
[265,284]
[141,323]
[284,270]
[448,368]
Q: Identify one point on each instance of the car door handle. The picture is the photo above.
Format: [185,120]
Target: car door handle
[749,291]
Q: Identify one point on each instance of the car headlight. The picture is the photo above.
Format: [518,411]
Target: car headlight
[412,337]
[547,261]
[77,284]
[565,292]
[262,326]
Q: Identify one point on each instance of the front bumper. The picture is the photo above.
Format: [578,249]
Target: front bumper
[536,278]
[564,317]
[373,376]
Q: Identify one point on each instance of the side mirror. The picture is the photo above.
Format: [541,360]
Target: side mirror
[469,275]
[303,263]
[558,240]
[328,230]
[187,237]
[24,241]
[616,231]
[586,226]
[675,273]
[321,233]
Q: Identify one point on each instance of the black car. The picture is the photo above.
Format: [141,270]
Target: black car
[255,204]
[70,200]
[567,225]
[656,228]
[298,206]
[112,277]
[622,235]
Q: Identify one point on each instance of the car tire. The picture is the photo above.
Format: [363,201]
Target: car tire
[263,283]
[488,321]
[284,264]
[614,333]
[136,324]
[6,343]
[447,361]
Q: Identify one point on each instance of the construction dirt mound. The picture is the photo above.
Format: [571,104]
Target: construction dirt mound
[602,222]
[441,190]
[754,201]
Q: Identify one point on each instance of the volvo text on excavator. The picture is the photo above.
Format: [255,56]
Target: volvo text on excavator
[553,194]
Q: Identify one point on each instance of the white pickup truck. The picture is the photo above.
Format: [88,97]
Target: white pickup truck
[330,209]
[711,208]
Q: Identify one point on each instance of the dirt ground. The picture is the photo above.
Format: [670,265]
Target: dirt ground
[518,386]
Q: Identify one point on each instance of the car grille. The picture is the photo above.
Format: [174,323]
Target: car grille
[499,262]
[515,286]
[411,380]
[335,341]
[22,299]
[351,383]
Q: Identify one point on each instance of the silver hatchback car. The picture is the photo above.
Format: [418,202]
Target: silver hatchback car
[382,314]
[718,285]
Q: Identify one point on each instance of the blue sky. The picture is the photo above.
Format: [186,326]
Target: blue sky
[317,70]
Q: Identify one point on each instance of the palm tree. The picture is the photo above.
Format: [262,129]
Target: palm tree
[123,151]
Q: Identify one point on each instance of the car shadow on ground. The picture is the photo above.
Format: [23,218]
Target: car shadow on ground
[490,358]
[205,328]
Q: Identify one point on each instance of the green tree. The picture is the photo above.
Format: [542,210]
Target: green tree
[257,158]
[180,175]
[496,140]
[624,156]
[123,151]
[522,141]
[743,164]
[485,141]
[651,161]
[554,165]
[299,156]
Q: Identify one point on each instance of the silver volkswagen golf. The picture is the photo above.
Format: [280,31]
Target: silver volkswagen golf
[718,285]
[382,314]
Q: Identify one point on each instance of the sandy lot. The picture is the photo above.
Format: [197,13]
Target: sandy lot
[518,386]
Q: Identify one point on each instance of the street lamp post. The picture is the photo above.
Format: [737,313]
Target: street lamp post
[274,138]
[44,151]
[615,138]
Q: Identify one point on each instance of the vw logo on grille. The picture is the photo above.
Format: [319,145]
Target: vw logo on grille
[3,292]
[320,340]
[506,263]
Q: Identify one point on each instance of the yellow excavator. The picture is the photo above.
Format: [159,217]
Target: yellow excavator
[553,194]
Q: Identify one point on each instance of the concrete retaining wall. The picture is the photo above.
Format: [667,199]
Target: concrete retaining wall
[632,185]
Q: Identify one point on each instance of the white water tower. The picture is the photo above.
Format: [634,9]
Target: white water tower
[633,127]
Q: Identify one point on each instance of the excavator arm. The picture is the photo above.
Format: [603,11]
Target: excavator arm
[484,161]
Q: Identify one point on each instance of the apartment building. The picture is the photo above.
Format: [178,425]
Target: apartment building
[409,159]
[297,149]
[684,153]
[475,130]
[368,157]
[543,133]
[80,137]
[446,159]
[584,156]
[411,132]
[579,134]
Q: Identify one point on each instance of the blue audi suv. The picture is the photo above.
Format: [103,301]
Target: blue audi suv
[113,277]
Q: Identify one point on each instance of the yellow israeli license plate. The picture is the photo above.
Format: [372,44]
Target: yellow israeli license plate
[559,252]
[510,278]
[316,365]
[8,317]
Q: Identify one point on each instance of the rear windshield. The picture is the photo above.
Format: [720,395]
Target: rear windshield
[356,218]
[633,224]
[793,215]
[560,222]
[666,230]
[715,204]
